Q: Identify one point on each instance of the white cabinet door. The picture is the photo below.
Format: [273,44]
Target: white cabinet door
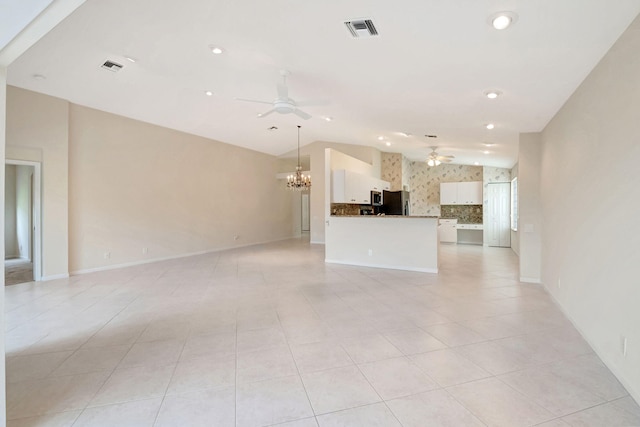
[351,187]
[338,186]
[470,193]
[379,185]
[449,193]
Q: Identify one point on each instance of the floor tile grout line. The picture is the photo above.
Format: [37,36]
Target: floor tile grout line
[304,387]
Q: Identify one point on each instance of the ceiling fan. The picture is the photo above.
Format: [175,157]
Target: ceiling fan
[435,159]
[283,104]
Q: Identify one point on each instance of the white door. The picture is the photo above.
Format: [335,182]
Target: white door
[499,208]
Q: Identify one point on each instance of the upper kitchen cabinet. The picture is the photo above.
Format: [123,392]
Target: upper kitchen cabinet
[351,187]
[449,193]
[470,193]
[461,193]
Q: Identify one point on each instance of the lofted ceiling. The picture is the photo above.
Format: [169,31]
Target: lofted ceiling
[425,73]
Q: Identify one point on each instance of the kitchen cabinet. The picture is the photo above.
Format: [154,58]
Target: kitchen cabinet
[449,193]
[447,230]
[351,187]
[461,193]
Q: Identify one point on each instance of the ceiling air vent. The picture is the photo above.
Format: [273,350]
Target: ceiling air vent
[361,28]
[111,66]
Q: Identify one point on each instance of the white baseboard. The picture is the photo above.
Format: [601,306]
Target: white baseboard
[54,277]
[167,258]
[316,242]
[530,280]
[635,393]
[390,267]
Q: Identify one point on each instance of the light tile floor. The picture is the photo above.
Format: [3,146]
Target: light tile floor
[270,335]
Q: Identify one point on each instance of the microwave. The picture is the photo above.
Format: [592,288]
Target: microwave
[376,198]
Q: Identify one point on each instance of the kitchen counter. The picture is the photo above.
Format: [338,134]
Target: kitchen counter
[384,216]
[389,241]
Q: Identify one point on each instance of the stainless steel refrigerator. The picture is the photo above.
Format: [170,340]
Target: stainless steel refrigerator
[395,202]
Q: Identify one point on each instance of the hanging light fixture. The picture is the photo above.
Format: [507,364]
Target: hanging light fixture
[299,181]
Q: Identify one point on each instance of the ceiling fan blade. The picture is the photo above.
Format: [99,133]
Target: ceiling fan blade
[444,159]
[254,100]
[266,113]
[298,112]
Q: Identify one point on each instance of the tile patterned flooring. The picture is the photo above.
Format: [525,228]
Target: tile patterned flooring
[270,335]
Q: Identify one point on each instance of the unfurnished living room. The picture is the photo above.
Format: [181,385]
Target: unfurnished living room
[299,214]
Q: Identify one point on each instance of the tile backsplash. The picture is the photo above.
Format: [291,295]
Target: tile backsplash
[465,214]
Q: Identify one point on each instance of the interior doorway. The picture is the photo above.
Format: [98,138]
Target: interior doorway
[22,222]
[305,209]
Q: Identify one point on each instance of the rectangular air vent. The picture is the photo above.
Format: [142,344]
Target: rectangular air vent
[111,66]
[361,28]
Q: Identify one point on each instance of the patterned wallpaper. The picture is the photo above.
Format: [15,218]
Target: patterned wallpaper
[392,169]
[406,173]
[424,182]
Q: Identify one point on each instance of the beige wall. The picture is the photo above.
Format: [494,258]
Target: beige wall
[3,115]
[590,203]
[37,130]
[135,185]
[529,207]
[10,223]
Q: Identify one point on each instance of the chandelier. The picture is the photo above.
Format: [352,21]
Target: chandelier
[299,181]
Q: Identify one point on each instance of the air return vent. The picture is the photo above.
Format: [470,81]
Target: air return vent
[111,66]
[360,28]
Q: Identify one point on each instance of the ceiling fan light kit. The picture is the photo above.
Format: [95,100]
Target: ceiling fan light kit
[436,159]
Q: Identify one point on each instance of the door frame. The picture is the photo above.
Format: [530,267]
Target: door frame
[37,216]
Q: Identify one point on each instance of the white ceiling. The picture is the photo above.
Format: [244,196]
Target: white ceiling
[16,15]
[424,74]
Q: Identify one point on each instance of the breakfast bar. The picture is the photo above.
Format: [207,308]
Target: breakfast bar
[392,241]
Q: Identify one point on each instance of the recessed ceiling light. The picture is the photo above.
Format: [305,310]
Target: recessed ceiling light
[328,119]
[492,94]
[39,77]
[405,134]
[488,144]
[486,151]
[380,138]
[130,59]
[388,144]
[490,126]
[503,20]
[216,50]
[208,93]
[476,163]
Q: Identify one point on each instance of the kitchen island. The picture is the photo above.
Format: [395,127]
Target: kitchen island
[395,242]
